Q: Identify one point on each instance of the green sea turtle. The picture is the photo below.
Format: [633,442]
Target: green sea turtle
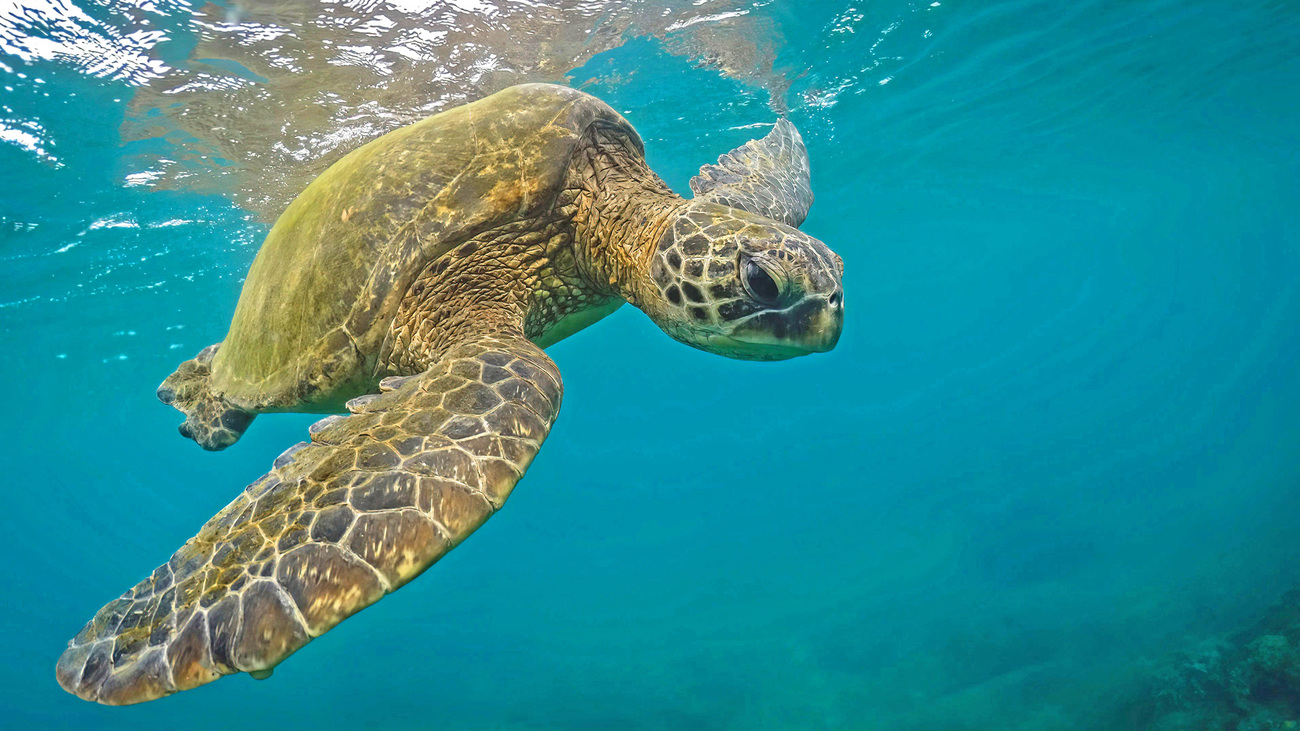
[413,285]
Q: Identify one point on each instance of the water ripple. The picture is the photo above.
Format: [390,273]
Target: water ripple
[57,30]
[271,95]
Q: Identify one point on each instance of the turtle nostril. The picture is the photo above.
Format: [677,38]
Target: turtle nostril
[835,298]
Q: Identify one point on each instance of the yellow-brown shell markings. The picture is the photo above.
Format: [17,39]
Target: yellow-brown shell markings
[322,294]
[372,501]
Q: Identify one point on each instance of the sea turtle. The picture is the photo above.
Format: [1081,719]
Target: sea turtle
[414,285]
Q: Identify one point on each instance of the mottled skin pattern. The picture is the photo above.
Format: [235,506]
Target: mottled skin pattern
[767,177]
[368,504]
[698,265]
[210,420]
[415,287]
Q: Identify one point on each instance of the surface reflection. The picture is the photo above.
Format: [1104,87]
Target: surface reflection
[271,94]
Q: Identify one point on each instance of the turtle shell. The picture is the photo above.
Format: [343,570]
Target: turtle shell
[325,286]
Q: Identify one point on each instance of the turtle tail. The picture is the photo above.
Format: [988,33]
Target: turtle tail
[210,419]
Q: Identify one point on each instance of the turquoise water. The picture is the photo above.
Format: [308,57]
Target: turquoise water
[1053,458]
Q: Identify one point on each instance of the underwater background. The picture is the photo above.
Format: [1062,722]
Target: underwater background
[1048,479]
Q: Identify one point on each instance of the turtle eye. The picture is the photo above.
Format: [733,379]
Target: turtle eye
[760,284]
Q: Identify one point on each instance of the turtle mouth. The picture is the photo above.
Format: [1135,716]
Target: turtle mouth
[812,326]
[757,349]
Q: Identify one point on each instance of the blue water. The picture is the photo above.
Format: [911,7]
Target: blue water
[1056,447]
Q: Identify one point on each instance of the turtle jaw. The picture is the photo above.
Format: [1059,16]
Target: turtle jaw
[811,326]
[760,346]
[751,350]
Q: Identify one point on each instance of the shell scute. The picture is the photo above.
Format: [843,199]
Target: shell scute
[322,293]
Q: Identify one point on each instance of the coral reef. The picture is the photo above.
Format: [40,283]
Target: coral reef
[1247,682]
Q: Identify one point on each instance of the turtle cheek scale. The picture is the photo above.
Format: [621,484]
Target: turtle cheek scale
[697,294]
[699,300]
[743,330]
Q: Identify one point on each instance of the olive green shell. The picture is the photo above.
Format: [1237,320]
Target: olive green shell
[323,291]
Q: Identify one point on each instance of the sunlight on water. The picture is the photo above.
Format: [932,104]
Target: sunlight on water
[268,95]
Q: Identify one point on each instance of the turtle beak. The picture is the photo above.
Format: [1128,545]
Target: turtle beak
[825,323]
[811,326]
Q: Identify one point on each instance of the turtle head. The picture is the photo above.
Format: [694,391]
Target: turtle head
[744,286]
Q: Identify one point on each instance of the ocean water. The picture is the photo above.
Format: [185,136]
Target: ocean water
[1049,479]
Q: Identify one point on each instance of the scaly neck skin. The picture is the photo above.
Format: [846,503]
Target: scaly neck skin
[621,210]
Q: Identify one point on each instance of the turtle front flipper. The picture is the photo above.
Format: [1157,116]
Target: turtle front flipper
[374,499]
[210,420]
[768,177]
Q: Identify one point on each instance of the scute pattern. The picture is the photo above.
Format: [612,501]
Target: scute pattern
[373,500]
[768,177]
[696,269]
[349,248]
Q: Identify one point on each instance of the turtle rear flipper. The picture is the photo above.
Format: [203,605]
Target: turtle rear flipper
[210,420]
